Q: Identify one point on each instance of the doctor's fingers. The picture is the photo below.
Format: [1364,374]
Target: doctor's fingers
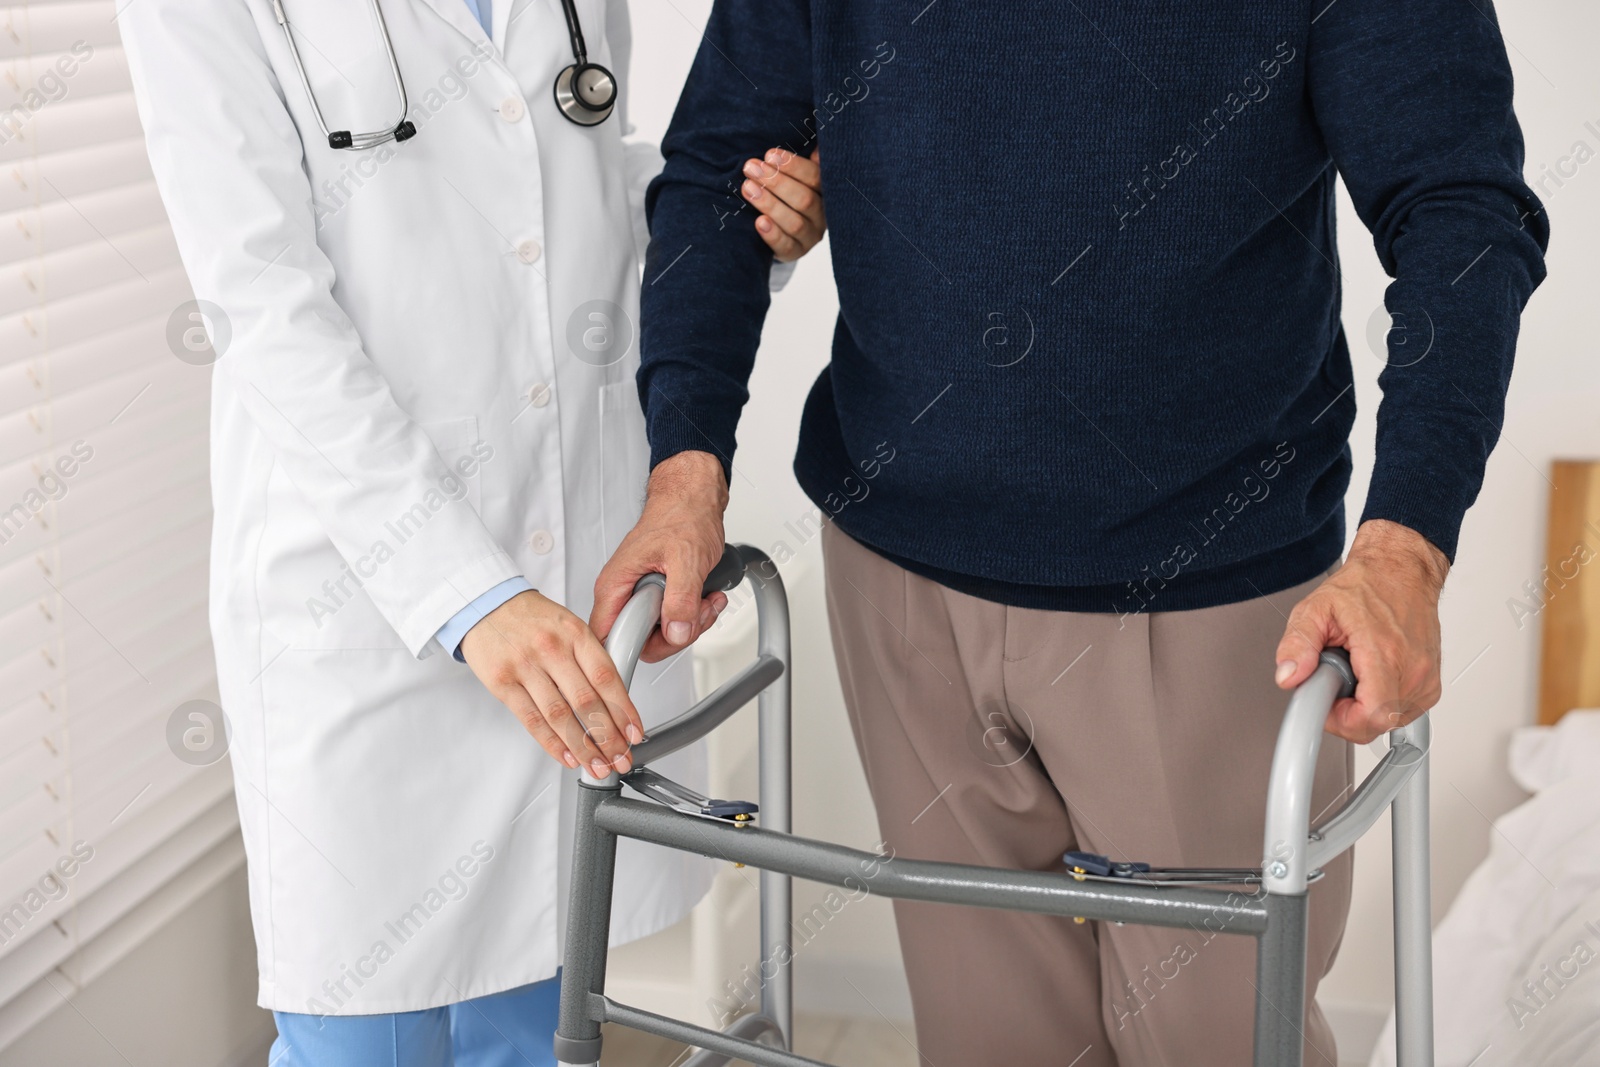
[798,183]
[785,249]
[555,711]
[807,170]
[797,207]
[522,706]
[792,219]
[595,663]
[581,705]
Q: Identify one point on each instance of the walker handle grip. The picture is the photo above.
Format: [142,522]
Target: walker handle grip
[1339,659]
[642,612]
[726,575]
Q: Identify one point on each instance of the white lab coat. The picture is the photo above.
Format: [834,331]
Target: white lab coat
[396,315]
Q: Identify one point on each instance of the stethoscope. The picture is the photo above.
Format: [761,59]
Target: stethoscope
[585,92]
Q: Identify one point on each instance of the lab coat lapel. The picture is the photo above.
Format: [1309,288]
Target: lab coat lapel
[502,14]
[456,14]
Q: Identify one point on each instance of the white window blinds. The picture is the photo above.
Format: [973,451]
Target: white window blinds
[104,521]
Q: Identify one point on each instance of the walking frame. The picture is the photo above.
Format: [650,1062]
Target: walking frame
[677,817]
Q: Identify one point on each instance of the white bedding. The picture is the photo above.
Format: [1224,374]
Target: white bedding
[1529,914]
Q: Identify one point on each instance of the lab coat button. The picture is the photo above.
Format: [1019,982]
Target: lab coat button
[529,251]
[542,542]
[539,395]
[511,109]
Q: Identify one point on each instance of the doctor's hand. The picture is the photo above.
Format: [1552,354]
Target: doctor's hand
[542,662]
[1382,606]
[678,535]
[787,190]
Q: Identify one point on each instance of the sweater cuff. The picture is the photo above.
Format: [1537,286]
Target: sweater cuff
[1419,500]
[673,428]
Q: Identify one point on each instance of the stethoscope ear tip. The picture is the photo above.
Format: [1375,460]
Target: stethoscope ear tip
[405,131]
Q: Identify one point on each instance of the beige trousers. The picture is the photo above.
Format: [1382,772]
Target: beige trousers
[1006,736]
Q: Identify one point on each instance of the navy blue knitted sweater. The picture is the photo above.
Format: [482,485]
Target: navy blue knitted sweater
[1089,355]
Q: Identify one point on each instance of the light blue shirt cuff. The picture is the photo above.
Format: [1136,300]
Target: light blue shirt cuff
[780,275]
[451,633]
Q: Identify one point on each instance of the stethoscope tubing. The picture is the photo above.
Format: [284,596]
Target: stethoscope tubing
[580,51]
[355,140]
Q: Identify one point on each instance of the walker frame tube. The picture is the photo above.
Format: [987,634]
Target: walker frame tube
[1413,896]
[1276,915]
[775,790]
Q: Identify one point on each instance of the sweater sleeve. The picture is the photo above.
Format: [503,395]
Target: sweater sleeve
[705,292]
[1413,98]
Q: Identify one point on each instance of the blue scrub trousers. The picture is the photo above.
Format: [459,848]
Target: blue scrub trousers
[510,1029]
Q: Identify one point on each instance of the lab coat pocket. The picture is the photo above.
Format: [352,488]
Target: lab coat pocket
[624,462]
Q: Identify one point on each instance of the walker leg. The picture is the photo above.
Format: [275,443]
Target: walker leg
[594,857]
[1281,983]
[1413,923]
[776,794]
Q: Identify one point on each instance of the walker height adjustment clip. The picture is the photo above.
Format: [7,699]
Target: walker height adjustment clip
[665,791]
[1091,866]
[1082,863]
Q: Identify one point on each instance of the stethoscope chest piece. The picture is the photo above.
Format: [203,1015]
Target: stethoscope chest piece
[586,93]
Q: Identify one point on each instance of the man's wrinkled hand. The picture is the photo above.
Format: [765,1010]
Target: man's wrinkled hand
[1382,606]
[542,662]
[678,535]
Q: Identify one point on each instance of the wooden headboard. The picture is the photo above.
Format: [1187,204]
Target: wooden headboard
[1569,670]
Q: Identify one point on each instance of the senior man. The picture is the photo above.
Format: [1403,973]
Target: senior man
[1084,436]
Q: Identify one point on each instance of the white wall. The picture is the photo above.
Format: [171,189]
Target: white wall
[1490,665]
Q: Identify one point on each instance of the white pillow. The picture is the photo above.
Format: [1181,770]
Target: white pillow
[1555,1001]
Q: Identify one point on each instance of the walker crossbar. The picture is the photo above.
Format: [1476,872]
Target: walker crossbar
[1044,892]
[709,713]
[1274,913]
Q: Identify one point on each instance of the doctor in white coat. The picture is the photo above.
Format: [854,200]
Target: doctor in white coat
[426,440]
